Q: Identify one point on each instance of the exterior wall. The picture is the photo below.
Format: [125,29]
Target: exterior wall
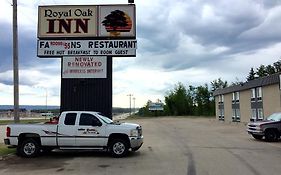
[271,99]
[228,107]
[245,105]
[217,106]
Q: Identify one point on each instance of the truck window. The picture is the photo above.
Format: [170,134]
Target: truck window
[89,120]
[70,119]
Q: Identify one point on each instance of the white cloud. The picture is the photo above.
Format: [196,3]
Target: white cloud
[193,42]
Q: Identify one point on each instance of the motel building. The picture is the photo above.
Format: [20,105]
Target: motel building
[250,101]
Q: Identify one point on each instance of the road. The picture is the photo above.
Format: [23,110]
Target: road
[173,146]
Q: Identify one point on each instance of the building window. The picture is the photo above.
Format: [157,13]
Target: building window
[253,94]
[254,114]
[260,114]
[221,114]
[236,115]
[233,115]
[259,94]
[235,97]
[221,99]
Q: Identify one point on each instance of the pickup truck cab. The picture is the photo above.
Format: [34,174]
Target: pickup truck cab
[75,130]
[269,128]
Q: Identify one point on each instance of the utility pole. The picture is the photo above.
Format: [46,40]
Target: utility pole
[130,97]
[46,103]
[134,106]
[15,62]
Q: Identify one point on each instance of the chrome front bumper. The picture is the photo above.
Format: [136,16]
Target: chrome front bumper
[136,142]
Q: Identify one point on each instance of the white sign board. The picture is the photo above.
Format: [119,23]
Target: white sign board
[156,107]
[84,67]
[67,21]
[117,21]
[58,48]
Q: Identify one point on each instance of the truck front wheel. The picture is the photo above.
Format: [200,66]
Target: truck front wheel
[271,135]
[119,148]
[29,148]
[258,137]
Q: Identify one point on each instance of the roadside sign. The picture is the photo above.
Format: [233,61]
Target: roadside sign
[64,21]
[58,48]
[117,21]
[156,106]
[84,67]
[67,21]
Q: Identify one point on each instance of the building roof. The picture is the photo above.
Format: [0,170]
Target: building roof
[264,81]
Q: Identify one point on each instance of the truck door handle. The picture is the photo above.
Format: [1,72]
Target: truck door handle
[81,129]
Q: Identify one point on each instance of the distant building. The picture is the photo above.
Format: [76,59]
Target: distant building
[252,100]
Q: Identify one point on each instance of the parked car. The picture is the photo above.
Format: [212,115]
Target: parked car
[75,130]
[270,128]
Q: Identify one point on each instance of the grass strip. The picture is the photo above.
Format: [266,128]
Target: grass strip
[23,121]
[4,150]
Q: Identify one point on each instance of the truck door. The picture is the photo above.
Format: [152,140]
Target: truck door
[90,131]
[67,130]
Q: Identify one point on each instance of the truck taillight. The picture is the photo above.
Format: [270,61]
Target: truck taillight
[8,131]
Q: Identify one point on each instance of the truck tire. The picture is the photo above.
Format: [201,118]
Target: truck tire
[271,135]
[119,148]
[258,137]
[29,148]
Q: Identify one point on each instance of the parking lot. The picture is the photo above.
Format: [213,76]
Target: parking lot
[172,146]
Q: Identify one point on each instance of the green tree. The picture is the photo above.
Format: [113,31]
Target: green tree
[179,101]
[261,71]
[277,66]
[252,75]
[270,69]
[202,100]
[218,84]
[236,82]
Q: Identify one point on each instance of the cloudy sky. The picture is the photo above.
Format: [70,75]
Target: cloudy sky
[188,41]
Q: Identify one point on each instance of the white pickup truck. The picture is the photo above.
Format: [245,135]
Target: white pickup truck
[75,130]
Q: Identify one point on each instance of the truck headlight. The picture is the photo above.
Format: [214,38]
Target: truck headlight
[134,133]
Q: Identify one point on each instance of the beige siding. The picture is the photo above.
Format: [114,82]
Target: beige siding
[245,105]
[271,99]
[228,107]
[217,106]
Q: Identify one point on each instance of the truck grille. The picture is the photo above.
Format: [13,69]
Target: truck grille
[139,130]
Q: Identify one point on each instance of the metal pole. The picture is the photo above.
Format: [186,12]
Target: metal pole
[130,96]
[46,103]
[134,106]
[15,63]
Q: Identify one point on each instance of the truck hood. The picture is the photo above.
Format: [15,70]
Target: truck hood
[264,122]
[125,125]
[128,125]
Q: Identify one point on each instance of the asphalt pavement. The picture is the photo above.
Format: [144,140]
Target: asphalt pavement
[172,146]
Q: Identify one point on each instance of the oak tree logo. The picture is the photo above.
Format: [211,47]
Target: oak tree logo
[116,22]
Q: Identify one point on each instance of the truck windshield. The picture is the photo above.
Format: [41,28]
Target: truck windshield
[105,119]
[275,117]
